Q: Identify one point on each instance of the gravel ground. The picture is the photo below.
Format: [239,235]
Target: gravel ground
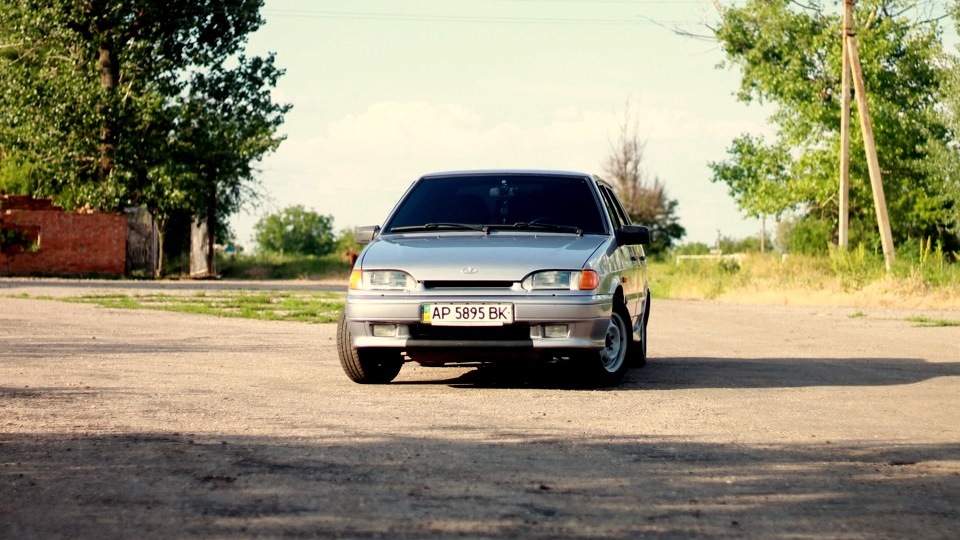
[748,422]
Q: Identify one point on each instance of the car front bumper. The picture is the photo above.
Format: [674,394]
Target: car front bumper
[540,322]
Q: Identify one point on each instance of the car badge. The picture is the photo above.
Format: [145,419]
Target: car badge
[469,270]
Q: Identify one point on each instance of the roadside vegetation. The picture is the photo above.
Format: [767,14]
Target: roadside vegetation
[789,58]
[925,279]
[138,103]
[272,266]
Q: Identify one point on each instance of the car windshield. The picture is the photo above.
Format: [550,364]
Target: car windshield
[522,202]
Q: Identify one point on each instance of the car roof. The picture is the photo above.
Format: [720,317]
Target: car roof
[495,172]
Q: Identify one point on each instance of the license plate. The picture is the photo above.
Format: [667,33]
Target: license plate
[463,314]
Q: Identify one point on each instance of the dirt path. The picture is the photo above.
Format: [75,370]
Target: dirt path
[762,422]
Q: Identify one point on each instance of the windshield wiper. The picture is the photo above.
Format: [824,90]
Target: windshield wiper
[436,226]
[542,227]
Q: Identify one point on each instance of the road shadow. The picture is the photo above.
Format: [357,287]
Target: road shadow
[516,375]
[30,348]
[376,485]
[56,394]
[675,373]
[734,373]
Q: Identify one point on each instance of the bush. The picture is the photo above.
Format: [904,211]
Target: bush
[933,266]
[853,267]
[806,235]
[295,230]
[691,248]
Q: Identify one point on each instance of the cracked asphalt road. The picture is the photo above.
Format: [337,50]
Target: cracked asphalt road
[748,422]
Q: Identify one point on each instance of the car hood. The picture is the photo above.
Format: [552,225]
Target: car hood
[470,257]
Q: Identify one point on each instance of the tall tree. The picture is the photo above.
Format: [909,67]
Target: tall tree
[789,56]
[644,199]
[96,95]
[943,157]
[227,121]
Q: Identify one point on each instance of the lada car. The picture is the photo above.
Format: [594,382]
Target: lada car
[501,266]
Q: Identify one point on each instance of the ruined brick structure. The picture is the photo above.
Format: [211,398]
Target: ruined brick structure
[39,238]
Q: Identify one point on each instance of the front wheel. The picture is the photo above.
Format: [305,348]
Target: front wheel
[608,367]
[365,366]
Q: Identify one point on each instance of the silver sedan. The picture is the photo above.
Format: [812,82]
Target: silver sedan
[497,266]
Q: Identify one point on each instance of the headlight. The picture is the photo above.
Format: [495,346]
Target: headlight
[381,280]
[562,280]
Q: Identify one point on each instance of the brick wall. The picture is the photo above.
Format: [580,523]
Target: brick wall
[66,243]
[26,202]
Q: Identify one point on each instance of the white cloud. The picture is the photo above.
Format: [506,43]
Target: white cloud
[359,165]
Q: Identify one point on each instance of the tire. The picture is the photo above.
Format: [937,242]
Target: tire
[608,366]
[365,366]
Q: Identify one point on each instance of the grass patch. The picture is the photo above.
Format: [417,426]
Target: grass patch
[920,320]
[121,301]
[321,307]
[857,315]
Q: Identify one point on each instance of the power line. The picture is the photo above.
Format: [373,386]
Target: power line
[482,19]
[589,2]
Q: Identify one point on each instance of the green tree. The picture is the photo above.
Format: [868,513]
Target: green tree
[943,158]
[137,102]
[758,177]
[790,57]
[295,230]
[226,123]
[645,200]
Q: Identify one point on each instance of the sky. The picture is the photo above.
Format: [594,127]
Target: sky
[385,91]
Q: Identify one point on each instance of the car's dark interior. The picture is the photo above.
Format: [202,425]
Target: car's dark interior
[501,200]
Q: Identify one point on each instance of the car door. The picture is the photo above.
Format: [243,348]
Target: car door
[634,288]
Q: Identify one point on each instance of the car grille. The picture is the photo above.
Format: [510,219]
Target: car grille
[450,284]
[507,332]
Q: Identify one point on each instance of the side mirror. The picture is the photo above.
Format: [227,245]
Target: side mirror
[366,234]
[631,235]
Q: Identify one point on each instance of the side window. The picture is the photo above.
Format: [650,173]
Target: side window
[620,210]
[614,208]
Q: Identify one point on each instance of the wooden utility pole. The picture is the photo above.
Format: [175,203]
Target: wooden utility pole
[870,147]
[844,233]
[763,234]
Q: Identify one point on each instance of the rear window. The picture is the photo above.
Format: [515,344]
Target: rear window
[501,200]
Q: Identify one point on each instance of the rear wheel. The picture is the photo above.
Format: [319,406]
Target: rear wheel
[610,365]
[366,366]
